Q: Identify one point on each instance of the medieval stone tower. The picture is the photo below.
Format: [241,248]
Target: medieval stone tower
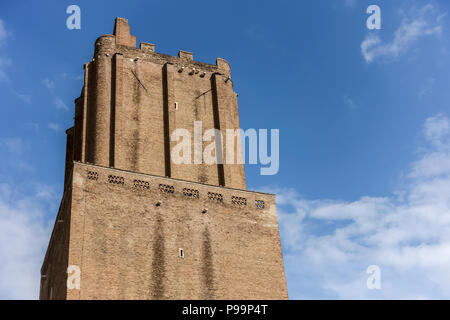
[132,223]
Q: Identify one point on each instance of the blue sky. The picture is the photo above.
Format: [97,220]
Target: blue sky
[363,116]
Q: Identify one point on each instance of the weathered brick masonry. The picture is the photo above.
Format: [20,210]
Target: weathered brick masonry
[139,226]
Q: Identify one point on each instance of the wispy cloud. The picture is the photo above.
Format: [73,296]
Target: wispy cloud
[330,243]
[13,155]
[350,103]
[415,24]
[49,84]
[436,131]
[4,61]
[24,97]
[427,87]
[32,125]
[3,32]
[25,223]
[14,145]
[254,30]
[24,234]
[54,126]
[59,104]
[3,74]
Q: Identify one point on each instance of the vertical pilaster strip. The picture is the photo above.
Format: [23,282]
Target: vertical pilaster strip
[119,149]
[238,170]
[69,154]
[78,128]
[101,125]
[219,125]
[85,107]
[140,97]
[225,112]
[115,105]
[169,124]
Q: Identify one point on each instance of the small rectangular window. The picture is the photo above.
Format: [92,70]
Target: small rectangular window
[181,253]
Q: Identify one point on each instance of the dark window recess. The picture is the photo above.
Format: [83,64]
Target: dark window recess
[92,175]
[191,193]
[259,204]
[142,185]
[215,196]
[116,180]
[239,201]
[164,188]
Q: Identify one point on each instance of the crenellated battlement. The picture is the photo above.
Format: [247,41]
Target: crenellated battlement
[122,42]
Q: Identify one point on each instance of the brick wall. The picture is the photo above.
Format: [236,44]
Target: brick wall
[54,268]
[127,230]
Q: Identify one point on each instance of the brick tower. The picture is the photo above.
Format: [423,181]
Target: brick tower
[136,224]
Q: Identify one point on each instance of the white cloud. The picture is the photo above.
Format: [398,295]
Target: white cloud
[24,235]
[49,84]
[3,32]
[13,155]
[329,244]
[350,103]
[436,131]
[60,104]
[4,62]
[435,161]
[25,226]
[32,125]
[416,24]
[24,97]
[15,146]
[3,76]
[54,126]
[427,87]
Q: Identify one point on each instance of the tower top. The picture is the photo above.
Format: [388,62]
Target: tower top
[123,42]
[122,33]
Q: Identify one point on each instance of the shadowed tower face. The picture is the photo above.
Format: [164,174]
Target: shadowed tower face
[136,222]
